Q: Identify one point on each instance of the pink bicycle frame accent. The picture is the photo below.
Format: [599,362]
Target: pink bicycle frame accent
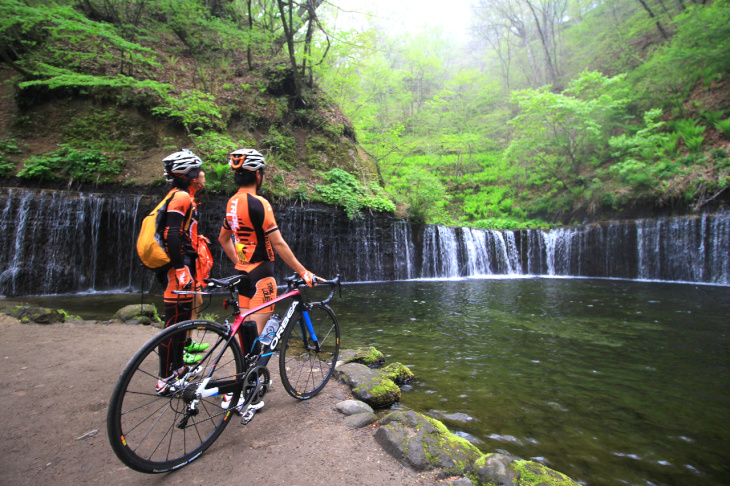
[241,317]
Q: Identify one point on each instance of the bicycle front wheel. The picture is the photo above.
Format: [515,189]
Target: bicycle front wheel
[157,425]
[305,365]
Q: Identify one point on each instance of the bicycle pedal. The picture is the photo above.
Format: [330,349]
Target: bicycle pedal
[247,417]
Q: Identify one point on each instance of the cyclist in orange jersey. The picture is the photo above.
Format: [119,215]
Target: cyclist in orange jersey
[182,169]
[250,236]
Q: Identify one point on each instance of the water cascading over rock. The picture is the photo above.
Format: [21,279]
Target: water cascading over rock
[65,242]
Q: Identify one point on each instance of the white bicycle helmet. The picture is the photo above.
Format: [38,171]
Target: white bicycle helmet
[180,163]
[248,159]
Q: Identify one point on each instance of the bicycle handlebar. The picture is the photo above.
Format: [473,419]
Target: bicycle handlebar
[292,282]
[296,281]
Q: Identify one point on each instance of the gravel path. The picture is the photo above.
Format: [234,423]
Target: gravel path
[55,384]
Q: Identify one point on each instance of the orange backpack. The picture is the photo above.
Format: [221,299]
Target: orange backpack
[204,263]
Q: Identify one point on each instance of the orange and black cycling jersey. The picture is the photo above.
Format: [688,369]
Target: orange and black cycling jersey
[180,223]
[251,219]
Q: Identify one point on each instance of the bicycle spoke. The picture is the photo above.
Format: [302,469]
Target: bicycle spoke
[304,370]
[142,430]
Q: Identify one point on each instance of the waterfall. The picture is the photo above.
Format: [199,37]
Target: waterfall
[440,253]
[64,241]
[403,247]
[476,251]
[513,258]
[14,254]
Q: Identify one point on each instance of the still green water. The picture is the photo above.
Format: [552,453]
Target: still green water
[610,382]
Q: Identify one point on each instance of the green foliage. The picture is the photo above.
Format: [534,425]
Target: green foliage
[343,189]
[559,137]
[691,132]
[700,48]
[424,194]
[68,164]
[6,166]
[648,143]
[214,147]
[509,223]
[724,127]
[99,130]
[301,194]
[453,141]
[378,200]
[281,143]
[7,147]
[218,178]
[195,110]
[85,41]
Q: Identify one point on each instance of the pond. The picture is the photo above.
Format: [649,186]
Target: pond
[609,381]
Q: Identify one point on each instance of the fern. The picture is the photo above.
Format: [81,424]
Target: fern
[724,127]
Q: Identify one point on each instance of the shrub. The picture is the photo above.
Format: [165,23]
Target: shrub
[691,132]
[343,189]
[72,165]
[195,110]
[284,145]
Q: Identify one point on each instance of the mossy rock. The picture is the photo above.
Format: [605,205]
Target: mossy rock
[500,469]
[424,443]
[38,315]
[145,314]
[370,357]
[369,385]
[398,373]
[533,473]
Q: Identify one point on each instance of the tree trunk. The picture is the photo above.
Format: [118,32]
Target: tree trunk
[545,45]
[289,35]
[250,30]
[656,20]
[301,20]
[5,57]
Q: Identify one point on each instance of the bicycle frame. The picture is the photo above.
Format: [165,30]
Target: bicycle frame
[225,386]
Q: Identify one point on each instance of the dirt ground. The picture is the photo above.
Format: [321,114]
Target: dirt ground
[55,385]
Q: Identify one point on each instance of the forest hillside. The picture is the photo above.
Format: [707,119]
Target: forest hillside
[98,92]
[550,111]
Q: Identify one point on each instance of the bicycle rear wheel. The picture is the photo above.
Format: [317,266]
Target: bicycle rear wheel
[306,365]
[153,428]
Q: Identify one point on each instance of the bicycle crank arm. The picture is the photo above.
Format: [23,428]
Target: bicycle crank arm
[217,387]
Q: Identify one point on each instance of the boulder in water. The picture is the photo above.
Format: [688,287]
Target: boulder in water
[39,315]
[368,356]
[145,314]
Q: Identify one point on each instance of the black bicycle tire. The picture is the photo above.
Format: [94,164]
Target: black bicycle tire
[119,437]
[292,353]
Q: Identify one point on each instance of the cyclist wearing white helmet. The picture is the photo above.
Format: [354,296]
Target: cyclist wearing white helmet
[180,237]
[250,235]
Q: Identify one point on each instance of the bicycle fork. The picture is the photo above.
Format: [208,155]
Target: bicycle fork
[307,322]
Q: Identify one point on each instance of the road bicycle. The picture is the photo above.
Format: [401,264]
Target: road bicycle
[155,429]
